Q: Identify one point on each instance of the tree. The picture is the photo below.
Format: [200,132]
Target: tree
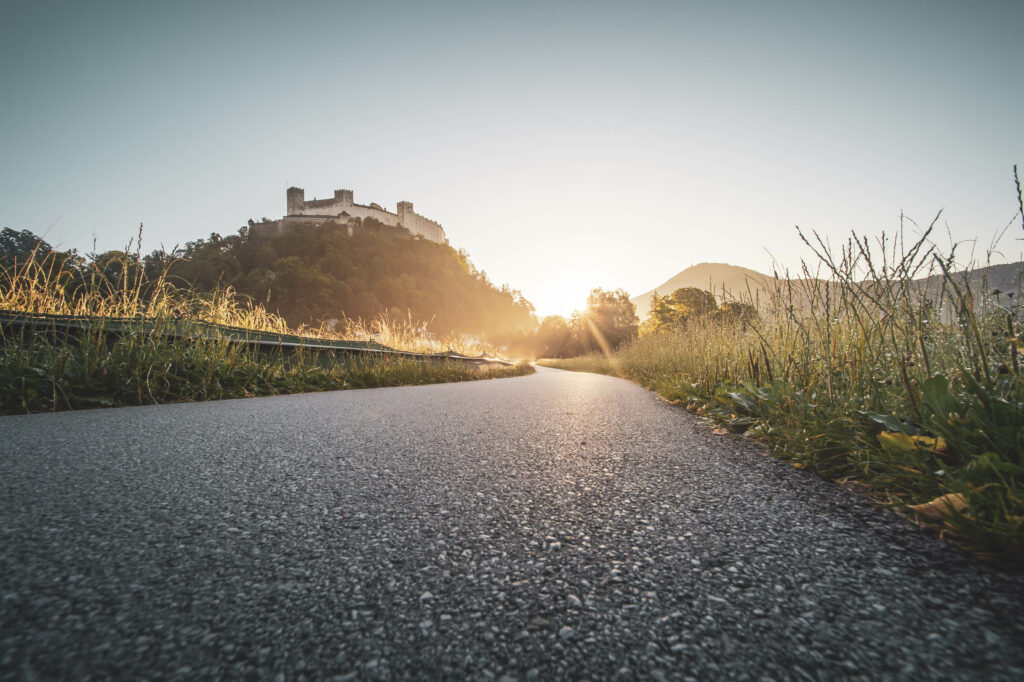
[312,274]
[608,322]
[555,339]
[683,304]
[738,312]
[20,246]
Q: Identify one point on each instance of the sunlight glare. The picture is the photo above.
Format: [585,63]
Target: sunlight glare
[565,293]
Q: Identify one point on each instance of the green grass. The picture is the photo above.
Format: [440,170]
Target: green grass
[49,372]
[906,392]
[597,363]
[137,370]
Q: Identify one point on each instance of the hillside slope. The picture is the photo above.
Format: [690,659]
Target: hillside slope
[739,282]
[715,277]
[313,274]
[1005,277]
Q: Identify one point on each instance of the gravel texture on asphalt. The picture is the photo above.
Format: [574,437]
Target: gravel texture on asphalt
[559,525]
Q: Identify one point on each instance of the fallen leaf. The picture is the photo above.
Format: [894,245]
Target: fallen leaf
[941,506]
[721,431]
[899,444]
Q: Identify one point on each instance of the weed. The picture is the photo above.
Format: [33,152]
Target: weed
[53,371]
[879,365]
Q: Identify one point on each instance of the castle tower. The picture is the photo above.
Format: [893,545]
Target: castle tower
[296,200]
[344,196]
[404,208]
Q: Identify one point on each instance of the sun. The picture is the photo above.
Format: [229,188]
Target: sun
[563,294]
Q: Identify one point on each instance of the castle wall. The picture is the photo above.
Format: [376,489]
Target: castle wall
[317,211]
[332,209]
[417,224]
[342,203]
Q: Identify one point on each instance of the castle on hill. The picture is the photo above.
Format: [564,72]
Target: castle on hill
[342,210]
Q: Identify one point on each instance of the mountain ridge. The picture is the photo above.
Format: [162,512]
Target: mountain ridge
[739,281]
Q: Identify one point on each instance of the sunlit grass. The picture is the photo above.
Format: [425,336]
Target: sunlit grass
[909,391]
[598,363]
[413,336]
[53,371]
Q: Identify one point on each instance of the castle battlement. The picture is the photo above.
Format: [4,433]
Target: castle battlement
[341,209]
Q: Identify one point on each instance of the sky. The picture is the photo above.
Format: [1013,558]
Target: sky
[564,145]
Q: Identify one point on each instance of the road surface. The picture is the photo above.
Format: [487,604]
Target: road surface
[558,525]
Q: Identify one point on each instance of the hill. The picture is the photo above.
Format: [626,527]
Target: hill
[714,277]
[314,274]
[741,282]
[1004,277]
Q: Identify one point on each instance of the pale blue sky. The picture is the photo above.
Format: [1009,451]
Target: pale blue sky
[564,145]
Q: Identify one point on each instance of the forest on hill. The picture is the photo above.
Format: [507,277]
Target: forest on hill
[314,274]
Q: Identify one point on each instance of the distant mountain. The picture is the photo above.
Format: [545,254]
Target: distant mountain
[1005,278]
[714,277]
[742,283]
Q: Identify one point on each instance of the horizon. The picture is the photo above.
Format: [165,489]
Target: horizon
[564,147]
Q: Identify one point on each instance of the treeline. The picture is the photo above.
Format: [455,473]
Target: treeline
[609,321]
[673,311]
[315,274]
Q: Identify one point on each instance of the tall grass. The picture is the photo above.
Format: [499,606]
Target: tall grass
[52,284]
[867,371]
[50,371]
[407,334]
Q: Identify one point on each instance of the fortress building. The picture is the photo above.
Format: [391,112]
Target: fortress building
[342,210]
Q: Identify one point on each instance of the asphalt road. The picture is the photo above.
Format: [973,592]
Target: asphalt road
[552,526]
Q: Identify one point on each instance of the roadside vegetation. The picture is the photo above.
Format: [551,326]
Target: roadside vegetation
[608,322]
[51,370]
[879,367]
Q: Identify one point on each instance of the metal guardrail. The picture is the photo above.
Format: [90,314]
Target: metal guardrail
[13,321]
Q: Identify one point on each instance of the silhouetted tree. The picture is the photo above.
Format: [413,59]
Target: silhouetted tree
[609,320]
[311,274]
[738,312]
[20,246]
[555,338]
[674,310]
